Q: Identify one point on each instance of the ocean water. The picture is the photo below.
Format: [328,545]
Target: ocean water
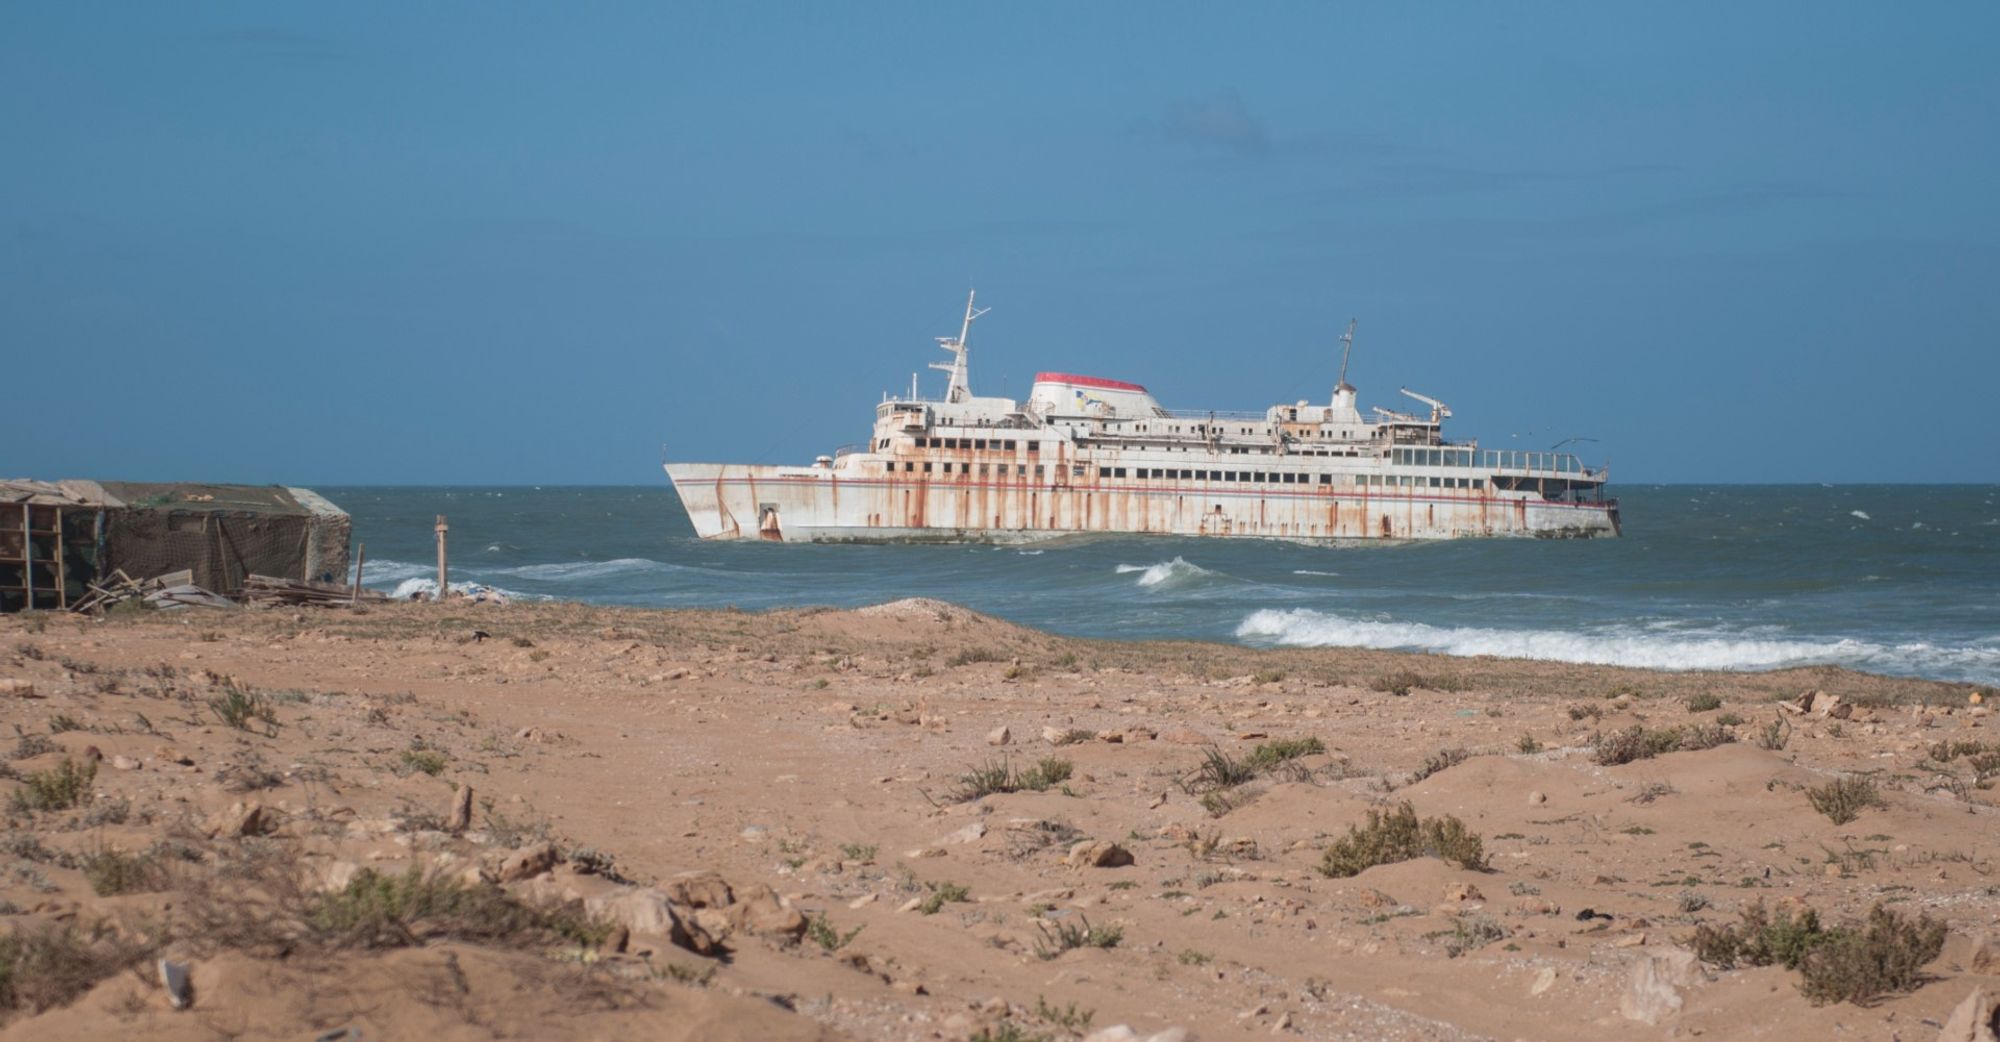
[1892,579]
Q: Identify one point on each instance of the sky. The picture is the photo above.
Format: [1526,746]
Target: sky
[500,243]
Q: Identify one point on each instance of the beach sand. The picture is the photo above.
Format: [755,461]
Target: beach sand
[800,776]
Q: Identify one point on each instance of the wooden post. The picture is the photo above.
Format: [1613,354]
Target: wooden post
[62,581]
[442,528]
[360,559]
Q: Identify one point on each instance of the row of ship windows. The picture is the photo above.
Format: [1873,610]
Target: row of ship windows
[1150,473]
[975,444]
[1432,457]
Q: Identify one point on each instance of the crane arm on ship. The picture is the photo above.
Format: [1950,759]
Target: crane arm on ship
[1439,410]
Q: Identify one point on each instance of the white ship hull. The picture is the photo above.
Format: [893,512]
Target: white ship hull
[1085,455]
[821,505]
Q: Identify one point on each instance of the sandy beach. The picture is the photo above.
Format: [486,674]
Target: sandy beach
[723,825]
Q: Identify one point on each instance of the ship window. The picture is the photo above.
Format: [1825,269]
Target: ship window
[1326,479]
[1010,445]
[927,468]
[909,466]
[1020,468]
[1361,479]
[1076,471]
[1034,446]
[1038,470]
[1187,475]
[1434,482]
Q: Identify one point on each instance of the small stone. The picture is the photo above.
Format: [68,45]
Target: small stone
[241,819]
[1544,980]
[969,834]
[125,763]
[174,977]
[864,900]
[1099,853]
[1001,735]
[1653,992]
[1985,955]
[700,890]
[1372,898]
[1537,798]
[460,817]
[1972,1020]
[1184,736]
[910,905]
[1462,892]
[1054,735]
[528,862]
[15,687]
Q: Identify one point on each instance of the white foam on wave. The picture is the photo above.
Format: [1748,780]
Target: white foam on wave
[1862,514]
[428,587]
[1309,571]
[381,572]
[1303,627]
[1166,572]
[569,570]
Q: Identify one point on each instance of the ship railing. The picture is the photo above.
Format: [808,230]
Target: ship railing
[849,450]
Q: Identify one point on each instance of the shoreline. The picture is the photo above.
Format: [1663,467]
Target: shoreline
[813,760]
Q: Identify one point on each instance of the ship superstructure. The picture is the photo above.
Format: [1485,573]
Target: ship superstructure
[1089,455]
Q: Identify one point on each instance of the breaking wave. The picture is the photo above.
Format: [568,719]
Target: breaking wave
[1166,573]
[588,569]
[405,589]
[1303,627]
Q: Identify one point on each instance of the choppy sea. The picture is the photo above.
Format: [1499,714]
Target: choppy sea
[1892,579]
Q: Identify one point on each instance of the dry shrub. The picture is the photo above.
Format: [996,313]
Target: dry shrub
[51,965]
[114,872]
[1443,759]
[1643,743]
[261,900]
[1854,962]
[1399,836]
[1843,799]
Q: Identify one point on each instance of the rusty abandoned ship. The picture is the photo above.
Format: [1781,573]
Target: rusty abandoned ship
[1085,455]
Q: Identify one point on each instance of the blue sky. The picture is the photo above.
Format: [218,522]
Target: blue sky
[499,243]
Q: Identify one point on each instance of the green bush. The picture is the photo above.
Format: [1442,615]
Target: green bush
[1705,702]
[58,788]
[1399,836]
[1759,939]
[1282,750]
[375,910]
[1884,955]
[1066,936]
[1000,776]
[113,872]
[238,706]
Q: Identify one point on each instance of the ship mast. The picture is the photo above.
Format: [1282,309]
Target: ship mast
[1346,349]
[960,388]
